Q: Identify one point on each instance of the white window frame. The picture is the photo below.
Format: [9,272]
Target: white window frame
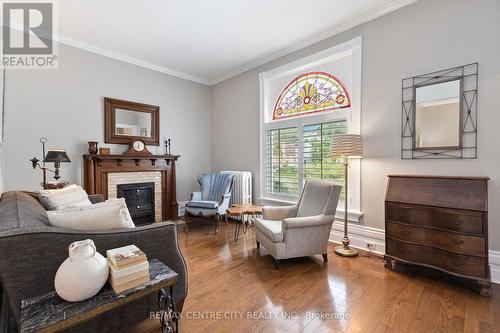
[352,48]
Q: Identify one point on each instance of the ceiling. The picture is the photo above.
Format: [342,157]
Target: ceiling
[208,41]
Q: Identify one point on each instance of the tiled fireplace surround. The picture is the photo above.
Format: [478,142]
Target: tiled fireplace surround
[99,170]
[119,178]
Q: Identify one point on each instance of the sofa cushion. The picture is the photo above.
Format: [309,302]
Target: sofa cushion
[270,229]
[108,215]
[70,196]
[203,204]
[19,210]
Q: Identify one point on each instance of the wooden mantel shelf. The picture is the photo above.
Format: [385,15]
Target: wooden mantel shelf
[130,157]
[97,167]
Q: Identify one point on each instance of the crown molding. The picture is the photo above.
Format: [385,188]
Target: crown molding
[121,57]
[130,60]
[336,29]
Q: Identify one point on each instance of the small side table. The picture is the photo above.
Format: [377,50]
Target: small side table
[50,313]
[243,211]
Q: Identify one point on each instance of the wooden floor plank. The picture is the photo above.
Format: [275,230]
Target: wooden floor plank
[240,283]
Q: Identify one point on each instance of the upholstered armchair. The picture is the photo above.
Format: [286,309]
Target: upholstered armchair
[213,199]
[303,229]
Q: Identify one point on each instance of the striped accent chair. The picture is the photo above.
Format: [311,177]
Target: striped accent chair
[303,229]
[213,199]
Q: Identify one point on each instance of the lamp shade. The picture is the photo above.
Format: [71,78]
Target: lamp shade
[56,156]
[346,145]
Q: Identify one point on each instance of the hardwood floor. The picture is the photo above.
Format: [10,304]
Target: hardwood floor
[235,279]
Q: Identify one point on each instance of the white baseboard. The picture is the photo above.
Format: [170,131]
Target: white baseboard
[361,235]
[494,257]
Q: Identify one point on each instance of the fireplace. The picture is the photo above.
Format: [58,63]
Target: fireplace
[140,199]
[102,174]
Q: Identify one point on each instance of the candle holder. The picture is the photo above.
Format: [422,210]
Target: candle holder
[167,146]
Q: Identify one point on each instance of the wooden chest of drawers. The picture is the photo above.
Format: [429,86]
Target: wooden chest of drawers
[439,222]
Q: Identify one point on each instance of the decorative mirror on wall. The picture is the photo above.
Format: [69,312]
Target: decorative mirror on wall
[126,121]
[439,114]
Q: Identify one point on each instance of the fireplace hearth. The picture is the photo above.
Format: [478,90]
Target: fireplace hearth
[140,199]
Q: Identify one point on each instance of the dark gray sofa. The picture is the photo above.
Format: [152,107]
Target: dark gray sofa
[31,251]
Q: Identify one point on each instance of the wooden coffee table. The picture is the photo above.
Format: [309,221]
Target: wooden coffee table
[243,211]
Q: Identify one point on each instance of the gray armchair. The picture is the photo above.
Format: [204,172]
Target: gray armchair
[213,199]
[303,229]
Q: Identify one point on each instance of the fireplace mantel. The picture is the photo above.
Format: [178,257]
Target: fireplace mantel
[97,167]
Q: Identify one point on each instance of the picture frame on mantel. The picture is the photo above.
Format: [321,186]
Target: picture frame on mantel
[126,121]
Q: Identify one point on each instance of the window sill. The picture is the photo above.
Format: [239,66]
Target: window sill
[352,216]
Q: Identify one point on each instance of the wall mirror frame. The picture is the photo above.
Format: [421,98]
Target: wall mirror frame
[142,122]
[452,95]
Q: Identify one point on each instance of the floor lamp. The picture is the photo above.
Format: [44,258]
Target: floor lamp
[346,146]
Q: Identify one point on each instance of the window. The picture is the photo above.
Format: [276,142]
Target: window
[295,154]
[303,104]
[284,172]
[318,164]
[309,93]
[282,160]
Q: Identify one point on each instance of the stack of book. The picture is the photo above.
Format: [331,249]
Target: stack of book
[128,267]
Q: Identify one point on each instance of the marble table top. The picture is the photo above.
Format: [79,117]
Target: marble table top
[50,313]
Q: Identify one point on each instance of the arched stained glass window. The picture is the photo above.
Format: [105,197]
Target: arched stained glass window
[311,92]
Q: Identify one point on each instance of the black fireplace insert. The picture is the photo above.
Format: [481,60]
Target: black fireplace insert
[140,199]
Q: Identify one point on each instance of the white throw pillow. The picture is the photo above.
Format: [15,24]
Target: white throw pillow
[70,196]
[111,214]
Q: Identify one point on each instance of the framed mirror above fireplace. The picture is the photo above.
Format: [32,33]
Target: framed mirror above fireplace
[126,121]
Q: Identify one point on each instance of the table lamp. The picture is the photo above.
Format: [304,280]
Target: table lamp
[346,146]
[55,156]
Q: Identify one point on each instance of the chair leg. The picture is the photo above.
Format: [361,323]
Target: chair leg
[225,217]
[216,221]
[276,263]
[258,245]
[325,257]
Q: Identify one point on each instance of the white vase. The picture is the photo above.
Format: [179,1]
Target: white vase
[83,274]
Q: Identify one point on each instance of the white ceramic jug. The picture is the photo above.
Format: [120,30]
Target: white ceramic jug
[83,274]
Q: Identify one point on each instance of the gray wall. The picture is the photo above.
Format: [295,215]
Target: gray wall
[66,106]
[423,37]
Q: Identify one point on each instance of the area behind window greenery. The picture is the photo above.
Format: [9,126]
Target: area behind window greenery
[283,164]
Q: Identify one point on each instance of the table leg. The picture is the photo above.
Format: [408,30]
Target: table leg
[247,224]
[169,318]
[237,231]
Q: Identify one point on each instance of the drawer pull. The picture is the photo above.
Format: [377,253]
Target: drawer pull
[457,222]
[458,241]
[406,233]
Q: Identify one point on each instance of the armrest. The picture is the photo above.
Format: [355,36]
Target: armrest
[196,196]
[278,212]
[305,222]
[96,198]
[43,249]
[224,201]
